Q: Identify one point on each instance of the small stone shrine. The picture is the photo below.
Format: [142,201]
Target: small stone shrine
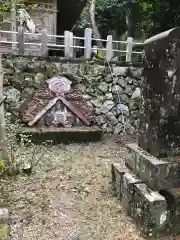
[149,188]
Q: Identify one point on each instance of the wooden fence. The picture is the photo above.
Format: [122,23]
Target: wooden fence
[67,42]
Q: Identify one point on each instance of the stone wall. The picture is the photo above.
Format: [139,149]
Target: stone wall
[114,93]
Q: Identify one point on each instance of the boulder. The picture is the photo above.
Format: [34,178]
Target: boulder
[110,116]
[108,96]
[39,79]
[26,93]
[136,94]
[107,106]
[96,103]
[103,87]
[118,129]
[122,108]
[121,82]
[116,89]
[108,78]
[101,119]
[12,95]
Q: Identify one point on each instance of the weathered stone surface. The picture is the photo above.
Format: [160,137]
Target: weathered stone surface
[160,118]
[136,94]
[116,89]
[39,79]
[108,96]
[12,95]
[120,71]
[96,82]
[117,174]
[109,78]
[149,210]
[107,106]
[158,174]
[118,128]
[103,87]
[26,93]
[110,116]
[127,190]
[101,119]
[96,102]
[123,109]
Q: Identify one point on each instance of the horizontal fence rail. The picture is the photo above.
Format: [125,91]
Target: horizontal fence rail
[21,42]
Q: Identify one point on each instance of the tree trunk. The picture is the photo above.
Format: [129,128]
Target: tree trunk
[97,34]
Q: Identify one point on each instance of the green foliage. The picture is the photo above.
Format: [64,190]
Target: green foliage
[6,7]
[149,16]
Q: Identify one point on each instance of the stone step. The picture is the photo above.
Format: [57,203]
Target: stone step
[61,134]
[157,174]
[148,208]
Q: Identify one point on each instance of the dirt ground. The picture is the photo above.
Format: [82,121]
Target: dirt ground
[69,196]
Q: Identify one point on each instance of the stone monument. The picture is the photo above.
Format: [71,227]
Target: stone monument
[149,189]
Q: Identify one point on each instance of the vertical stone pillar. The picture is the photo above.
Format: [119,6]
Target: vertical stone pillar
[159,131]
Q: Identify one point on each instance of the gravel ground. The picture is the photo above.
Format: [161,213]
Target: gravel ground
[69,196]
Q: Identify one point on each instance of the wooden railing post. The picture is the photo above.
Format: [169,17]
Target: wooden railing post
[129,49]
[109,48]
[68,44]
[21,40]
[87,43]
[44,40]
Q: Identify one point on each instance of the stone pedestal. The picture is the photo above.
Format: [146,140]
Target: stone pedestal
[150,191]
[160,110]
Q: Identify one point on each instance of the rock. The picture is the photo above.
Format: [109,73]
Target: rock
[104,127]
[39,79]
[120,71]
[103,87]
[122,119]
[129,80]
[109,129]
[107,106]
[20,64]
[108,78]
[15,108]
[8,71]
[136,94]
[114,112]
[86,97]
[146,167]
[121,82]
[29,81]
[133,105]
[123,109]
[12,95]
[96,102]
[97,111]
[101,98]
[81,87]
[135,114]
[116,89]
[135,72]
[129,128]
[128,90]
[18,81]
[110,116]
[101,119]
[90,90]
[108,96]
[8,63]
[118,129]
[26,93]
